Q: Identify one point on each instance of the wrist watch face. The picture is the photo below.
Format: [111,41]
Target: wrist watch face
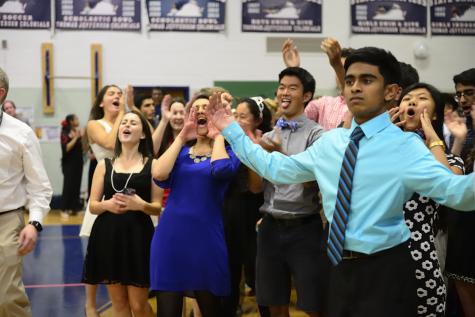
[37,225]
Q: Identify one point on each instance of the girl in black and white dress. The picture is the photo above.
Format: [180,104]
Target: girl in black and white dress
[421,110]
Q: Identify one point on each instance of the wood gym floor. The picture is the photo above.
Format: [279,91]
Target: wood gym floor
[52,274]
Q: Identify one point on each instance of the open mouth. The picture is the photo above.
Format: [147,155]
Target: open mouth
[202,121]
[411,113]
[467,108]
[116,103]
[285,103]
[126,132]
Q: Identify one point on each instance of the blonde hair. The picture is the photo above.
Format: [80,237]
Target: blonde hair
[3,83]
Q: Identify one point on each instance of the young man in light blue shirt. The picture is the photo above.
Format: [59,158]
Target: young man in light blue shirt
[373,272]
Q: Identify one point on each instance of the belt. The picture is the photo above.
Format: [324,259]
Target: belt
[351,255]
[292,222]
[9,211]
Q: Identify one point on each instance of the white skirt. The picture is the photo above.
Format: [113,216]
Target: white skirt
[87,222]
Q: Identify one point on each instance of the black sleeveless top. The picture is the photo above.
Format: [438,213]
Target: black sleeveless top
[119,245]
[140,181]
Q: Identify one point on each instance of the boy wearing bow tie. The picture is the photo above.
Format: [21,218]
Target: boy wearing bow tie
[290,234]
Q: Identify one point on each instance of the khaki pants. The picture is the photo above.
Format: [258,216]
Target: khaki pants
[13,299]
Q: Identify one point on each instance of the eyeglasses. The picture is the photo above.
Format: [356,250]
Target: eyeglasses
[464,93]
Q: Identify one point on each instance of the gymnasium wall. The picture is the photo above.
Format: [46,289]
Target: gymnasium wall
[195,60]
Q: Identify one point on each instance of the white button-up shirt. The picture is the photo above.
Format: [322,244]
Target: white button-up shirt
[23,178]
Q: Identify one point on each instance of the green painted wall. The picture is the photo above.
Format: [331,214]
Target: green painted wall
[241,89]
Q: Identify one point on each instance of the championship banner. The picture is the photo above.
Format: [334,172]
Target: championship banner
[449,17]
[389,17]
[282,16]
[186,15]
[25,14]
[115,15]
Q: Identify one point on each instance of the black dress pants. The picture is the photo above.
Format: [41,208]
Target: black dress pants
[382,284]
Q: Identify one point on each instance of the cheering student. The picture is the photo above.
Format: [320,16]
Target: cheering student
[188,252]
[106,115]
[124,196]
[381,167]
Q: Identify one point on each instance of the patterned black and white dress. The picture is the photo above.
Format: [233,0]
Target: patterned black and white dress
[421,214]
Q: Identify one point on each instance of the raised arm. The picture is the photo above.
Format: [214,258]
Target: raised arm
[333,50]
[157,135]
[290,54]
[425,175]
[97,134]
[130,98]
[435,144]
[162,167]
[458,129]
[275,167]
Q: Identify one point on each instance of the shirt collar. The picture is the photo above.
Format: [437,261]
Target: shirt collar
[300,119]
[374,125]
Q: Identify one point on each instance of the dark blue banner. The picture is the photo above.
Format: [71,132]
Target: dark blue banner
[389,17]
[452,18]
[116,15]
[186,15]
[282,16]
[25,14]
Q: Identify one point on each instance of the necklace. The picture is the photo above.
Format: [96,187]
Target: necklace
[198,158]
[126,182]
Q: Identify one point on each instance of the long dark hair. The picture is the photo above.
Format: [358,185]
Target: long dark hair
[67,123]
[440,223]
[438,122]
[470,159]
[265,125]
[97,112]
[168,133]
[145,145]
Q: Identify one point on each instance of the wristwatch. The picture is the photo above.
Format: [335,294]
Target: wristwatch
[37,225]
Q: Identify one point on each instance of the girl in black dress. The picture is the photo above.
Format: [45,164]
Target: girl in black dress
[124,196]
[71,164]
[241,207]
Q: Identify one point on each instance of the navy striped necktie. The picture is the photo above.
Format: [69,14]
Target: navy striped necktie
[336,236]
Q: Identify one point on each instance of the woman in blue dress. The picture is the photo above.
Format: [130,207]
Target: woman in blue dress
[188,252]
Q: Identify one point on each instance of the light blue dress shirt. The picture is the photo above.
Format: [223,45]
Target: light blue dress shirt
[391,166]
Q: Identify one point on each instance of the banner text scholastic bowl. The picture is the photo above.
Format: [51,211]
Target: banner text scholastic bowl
[118,15]
[191,16]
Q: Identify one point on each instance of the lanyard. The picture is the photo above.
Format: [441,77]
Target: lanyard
[1,116]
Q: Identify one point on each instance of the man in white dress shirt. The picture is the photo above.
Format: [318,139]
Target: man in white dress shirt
[23,183]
